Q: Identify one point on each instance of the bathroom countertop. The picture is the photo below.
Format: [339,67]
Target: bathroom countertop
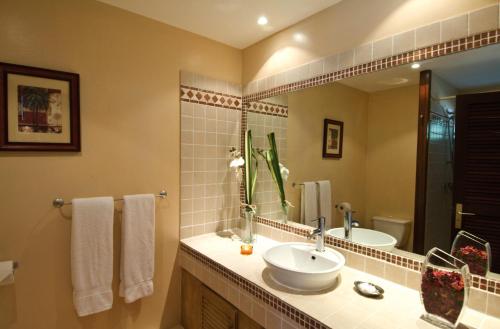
[340,307]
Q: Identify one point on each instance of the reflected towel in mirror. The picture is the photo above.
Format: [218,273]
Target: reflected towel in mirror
[309,203]
[325,201]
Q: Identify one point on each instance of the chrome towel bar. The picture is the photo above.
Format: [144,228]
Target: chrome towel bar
[59,202]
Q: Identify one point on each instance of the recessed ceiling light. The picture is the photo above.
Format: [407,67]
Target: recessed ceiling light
[262,20]
[415,66]
[299,37]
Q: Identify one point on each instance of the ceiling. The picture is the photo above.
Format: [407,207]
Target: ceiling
[466,71]
[233,22]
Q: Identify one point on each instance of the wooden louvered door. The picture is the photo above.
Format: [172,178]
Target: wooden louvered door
[477,168]
[216,313]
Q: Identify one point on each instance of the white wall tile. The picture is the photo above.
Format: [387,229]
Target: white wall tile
[404,42]
[346,59]
[483,20]
[382,48]
[316,68]
[363,54]
[454,28]
[280,79]
[428,35]
[303,72]
[292,76]
[205,135]
[331,63]
[187,78]
[270,82]
[221,86]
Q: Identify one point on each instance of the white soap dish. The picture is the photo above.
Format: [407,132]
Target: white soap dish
[368,289]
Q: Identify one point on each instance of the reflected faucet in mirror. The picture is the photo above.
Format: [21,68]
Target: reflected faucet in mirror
[345,209]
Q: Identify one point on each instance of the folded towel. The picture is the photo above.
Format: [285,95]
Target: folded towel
[325,201]
[309,203]
[92,254]
[138,247]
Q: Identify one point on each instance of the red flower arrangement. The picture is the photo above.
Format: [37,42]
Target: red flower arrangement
[476,259]
[443,293]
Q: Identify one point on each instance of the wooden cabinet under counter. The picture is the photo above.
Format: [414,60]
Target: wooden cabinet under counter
[202,308]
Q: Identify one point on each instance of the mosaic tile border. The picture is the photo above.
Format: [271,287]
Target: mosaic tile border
[441,49]
[478,282]
[433,51]
[209,97]
[268,108]
[262,295]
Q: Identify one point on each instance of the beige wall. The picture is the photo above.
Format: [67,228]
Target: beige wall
[345,26]
[129,69]
[391,153]
[306,111]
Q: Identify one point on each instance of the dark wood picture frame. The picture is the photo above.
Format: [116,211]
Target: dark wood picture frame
[73,80]
[340,124]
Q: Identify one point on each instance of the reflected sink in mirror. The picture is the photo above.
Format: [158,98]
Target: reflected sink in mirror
[299,266]
[369,238]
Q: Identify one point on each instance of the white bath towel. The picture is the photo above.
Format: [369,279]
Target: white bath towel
[92,254]
[138,247]
[308,203]
[325,201]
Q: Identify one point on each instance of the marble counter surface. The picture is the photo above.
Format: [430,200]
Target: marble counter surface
[340,307]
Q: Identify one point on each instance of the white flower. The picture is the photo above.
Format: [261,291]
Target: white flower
[284,172]
[236,163]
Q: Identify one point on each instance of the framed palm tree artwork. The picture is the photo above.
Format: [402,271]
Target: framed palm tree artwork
[39,109]
[333,138]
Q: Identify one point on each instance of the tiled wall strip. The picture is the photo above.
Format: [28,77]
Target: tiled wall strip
[210,125]
[209,97]
[244,125]
[424,53]
[261,294]
[268,108]
[478,282]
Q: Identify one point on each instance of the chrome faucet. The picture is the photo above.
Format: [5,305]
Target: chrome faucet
[319,233]
[345,209]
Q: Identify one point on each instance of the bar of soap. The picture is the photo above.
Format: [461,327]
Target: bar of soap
[368,289]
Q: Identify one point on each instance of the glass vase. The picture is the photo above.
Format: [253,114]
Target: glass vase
[283,216]
[247,226]
[473,251]
[444,289]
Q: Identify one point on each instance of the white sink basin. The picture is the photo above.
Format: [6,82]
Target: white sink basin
[370,238]
[300,267]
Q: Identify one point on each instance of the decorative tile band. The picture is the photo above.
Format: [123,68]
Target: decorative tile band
[438,50]
[433,51]
[478,282]
[268,108]
[211,98]
[304,320]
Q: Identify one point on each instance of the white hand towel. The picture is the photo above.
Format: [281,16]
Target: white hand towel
[308,203]
[92,254]
[325,201]
[138,247]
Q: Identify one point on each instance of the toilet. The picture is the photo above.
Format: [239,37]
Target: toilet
[397,227]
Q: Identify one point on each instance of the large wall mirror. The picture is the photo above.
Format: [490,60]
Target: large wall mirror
[413,152]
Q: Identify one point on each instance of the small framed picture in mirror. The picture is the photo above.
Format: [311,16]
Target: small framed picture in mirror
[333,133]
